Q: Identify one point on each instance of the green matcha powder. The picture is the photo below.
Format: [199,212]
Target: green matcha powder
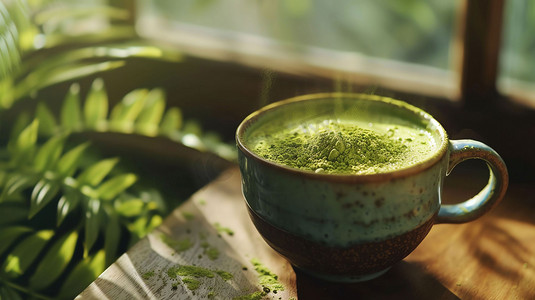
[344,148]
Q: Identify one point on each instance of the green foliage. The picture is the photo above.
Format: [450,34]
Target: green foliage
[65,212]
[7,292]
[25,252]
[11,213]
[93,205]
[83,274]
[44,43]
[54,262]
[9,234]
[140,111]
[96,106]
[9,35]
[55,179]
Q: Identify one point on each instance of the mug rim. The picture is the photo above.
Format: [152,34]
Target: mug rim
[389,175]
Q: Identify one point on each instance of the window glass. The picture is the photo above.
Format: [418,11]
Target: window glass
[517,63]
[414,31]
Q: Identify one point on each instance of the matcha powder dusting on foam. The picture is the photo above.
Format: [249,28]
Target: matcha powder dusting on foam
[345,147]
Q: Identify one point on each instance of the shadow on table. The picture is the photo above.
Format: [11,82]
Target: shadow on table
[404,281]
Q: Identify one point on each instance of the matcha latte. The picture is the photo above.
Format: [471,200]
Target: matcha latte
[346,185]
[343,146]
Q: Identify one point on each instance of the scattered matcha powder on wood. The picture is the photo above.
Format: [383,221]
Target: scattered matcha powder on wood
[224,274]
[188,216]
[178,245]
[171,272]
[266,278]
[147,275]
[193,271]
[209,250]
[189,274]
[254,296]
[222,229]
[191,283]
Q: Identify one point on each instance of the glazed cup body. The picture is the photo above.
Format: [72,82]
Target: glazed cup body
[350,227]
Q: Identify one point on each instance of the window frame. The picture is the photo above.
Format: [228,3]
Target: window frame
[265,53]
[472,80]
[480,50]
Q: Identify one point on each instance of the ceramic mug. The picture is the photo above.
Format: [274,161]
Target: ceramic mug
[343,227]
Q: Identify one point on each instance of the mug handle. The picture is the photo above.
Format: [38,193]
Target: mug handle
[489,196]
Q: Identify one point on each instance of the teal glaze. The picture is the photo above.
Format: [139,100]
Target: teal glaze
[353,211]
[341,213]
[489,196]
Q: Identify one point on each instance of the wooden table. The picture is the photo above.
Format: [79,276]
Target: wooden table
[490,258]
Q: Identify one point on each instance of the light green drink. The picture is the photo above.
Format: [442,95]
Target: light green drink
[343,147]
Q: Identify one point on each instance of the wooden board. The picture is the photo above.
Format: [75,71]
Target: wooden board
[211,230]
[490,258]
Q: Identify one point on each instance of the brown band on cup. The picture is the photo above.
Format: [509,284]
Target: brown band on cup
[359,259]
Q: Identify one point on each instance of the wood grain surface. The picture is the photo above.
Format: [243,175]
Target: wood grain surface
[490,258]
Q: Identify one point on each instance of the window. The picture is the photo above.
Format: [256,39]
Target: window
[517,64]
[406,45]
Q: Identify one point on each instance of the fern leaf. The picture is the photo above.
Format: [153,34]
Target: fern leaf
[67,164]
[6,90]
[112,236]
[92,222]
[139,226]
[15,184]
[95,174]
[154,222]
[151,116]
[44,191]
[22,147]
[172,121]
[130,208]
[27,138]
[9,234]
[54,262]
[114,186]
[96,106]
[71,113]
[125,112]
[68,202]
[9,54]
[22,121]
[47,121]
[82,275]
[25,253]
[49,153]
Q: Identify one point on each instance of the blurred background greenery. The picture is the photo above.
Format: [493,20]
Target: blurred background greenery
[409,30]
[518,46]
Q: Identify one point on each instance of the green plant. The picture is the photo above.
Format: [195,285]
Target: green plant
[47,42]
[95,204]
[67,211]
[90,201]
